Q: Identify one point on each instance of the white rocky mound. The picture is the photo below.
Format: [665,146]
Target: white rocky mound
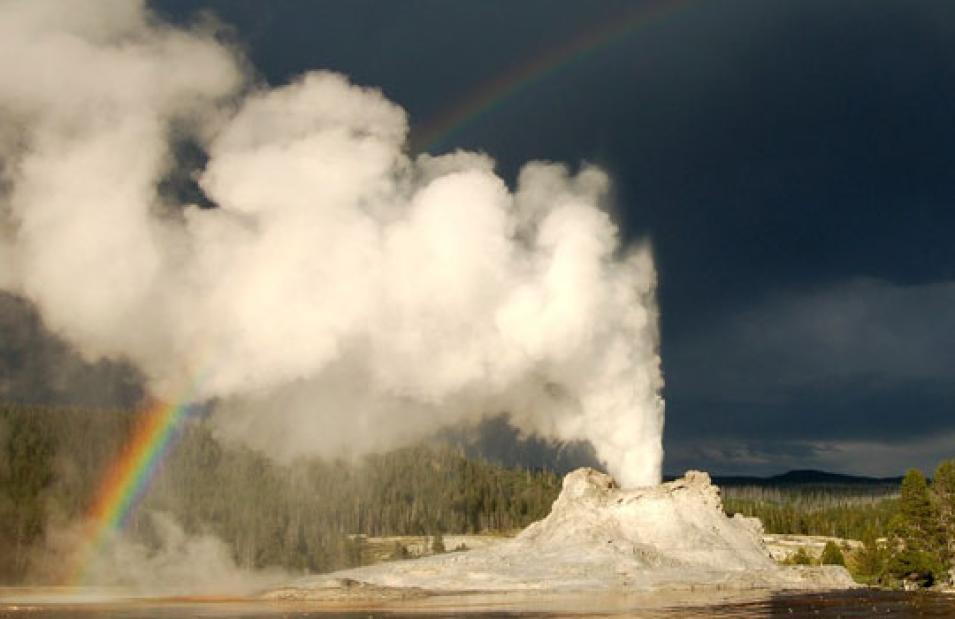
[597,537]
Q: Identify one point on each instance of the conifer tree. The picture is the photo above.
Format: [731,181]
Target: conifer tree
[832,555]
[922,524]
[800,557]
[869,561]
[944,488]
[916,542]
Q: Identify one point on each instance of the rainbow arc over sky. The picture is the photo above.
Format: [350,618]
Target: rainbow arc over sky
[128,478]
[491,95]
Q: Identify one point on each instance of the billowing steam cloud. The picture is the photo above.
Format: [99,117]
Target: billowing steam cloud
[178,564]
[343,296]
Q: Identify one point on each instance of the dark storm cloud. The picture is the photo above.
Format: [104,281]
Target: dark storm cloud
[496,439]
[739,456]
[876,335]
[38,368]
[814,376]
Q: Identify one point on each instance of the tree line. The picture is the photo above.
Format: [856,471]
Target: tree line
[308,515]
[312,515]
[829,514]
[907,534]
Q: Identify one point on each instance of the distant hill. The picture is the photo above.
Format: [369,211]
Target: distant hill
[805,477]
[810,476]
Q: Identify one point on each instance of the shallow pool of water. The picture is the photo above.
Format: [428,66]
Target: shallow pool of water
[836,604]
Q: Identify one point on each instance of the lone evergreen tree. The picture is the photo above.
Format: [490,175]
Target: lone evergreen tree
[916,539]
[922,523]
[944,488]
[832,555]
[869,561]
[800,557]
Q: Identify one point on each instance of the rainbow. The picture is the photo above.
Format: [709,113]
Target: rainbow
[490,95]
[128,478]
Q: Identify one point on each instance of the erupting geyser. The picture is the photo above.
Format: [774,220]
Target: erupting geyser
[343,295]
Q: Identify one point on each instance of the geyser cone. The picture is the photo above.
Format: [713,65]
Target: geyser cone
[598,537]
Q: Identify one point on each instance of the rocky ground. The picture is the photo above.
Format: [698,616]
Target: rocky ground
[598,537]
[783,546]
[387,548]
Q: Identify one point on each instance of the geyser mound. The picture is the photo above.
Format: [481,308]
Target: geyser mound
[598,537]
[678,524]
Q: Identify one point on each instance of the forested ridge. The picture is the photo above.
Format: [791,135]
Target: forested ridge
[301,516]
[907,530]
[311,515]
[836,511]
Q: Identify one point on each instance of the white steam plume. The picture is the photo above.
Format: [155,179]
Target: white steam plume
[343,297]
[175,563]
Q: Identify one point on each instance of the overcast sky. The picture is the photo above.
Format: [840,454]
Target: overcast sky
[791,163]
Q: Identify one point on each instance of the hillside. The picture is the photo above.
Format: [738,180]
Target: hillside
[307,516]
[807,477]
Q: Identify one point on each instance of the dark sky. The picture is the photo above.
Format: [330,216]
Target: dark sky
[791,163]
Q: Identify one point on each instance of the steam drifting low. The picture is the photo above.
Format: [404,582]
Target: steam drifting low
[343,296]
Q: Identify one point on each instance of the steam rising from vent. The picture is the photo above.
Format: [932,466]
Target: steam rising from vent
[344,296]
